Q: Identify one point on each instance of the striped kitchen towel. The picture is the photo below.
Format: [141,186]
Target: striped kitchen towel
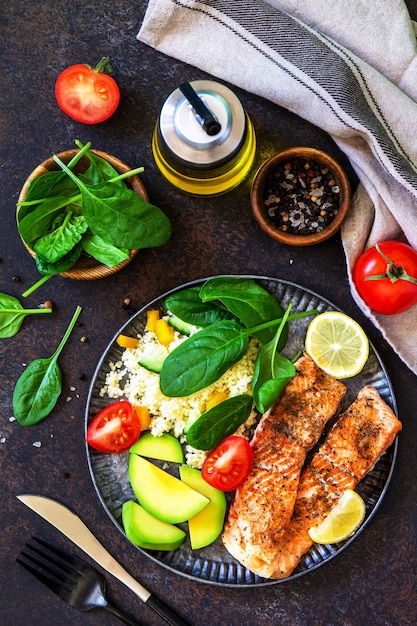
[350,68]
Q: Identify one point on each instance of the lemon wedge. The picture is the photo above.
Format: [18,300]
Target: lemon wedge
[343,520]
[337,344]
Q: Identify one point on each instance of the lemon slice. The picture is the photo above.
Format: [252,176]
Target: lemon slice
[337,344]
[343,520]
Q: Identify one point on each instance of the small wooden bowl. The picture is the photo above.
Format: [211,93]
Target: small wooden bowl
[87,268]
[259,194]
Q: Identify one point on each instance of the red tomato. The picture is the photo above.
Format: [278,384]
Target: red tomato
[229,464]
[87,94]
[394,264]
[114,429]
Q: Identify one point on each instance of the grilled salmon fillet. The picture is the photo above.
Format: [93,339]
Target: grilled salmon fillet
[263,505]
[353,446]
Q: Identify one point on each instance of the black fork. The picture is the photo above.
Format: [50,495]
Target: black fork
[71,578]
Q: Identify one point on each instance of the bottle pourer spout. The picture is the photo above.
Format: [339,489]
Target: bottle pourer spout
[205,117]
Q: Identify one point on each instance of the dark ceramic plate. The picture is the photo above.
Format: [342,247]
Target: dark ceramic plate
[214,564]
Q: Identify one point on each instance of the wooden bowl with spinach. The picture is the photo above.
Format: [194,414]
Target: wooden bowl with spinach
[84,214]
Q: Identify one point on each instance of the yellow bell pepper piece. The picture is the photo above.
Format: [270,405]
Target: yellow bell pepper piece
[144,416]
[127,342]
[164,332]
[152,317]
[215,398]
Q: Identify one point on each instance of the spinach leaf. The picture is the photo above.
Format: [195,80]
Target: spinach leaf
[102,251]
[219,422]
[12,315]
[248,301]
[56,244]
[42,186]
[120,216]
[123,218]
[39,386]
[39,221]
[49,184]
[100,169]
[270,390]
[46,189]
[63,264]
[51,269]
[272,371]
[188,306]
[202,358]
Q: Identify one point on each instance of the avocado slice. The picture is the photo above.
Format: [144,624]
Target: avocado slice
[166,447]
[161,494]
[145,531]
[207,525]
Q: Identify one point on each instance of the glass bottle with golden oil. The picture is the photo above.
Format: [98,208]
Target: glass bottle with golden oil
[204,142]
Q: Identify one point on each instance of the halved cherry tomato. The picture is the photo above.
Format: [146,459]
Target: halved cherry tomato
[115,428]
[87,94]
[229,464]
[385,277]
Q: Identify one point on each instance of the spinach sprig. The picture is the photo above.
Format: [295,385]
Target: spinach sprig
[38,388]
[272,370]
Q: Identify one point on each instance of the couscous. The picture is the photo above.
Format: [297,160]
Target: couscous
[127,379]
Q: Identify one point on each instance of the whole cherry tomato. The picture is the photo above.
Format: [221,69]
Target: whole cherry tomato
[385,277]
[114,429]
[88,95]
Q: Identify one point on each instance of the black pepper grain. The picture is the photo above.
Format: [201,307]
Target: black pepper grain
[301,197]
[48,304]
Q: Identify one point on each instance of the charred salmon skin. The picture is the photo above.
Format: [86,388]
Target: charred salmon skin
[354,444]
[263,505]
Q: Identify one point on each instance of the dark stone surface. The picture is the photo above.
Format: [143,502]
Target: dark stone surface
[374,580]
